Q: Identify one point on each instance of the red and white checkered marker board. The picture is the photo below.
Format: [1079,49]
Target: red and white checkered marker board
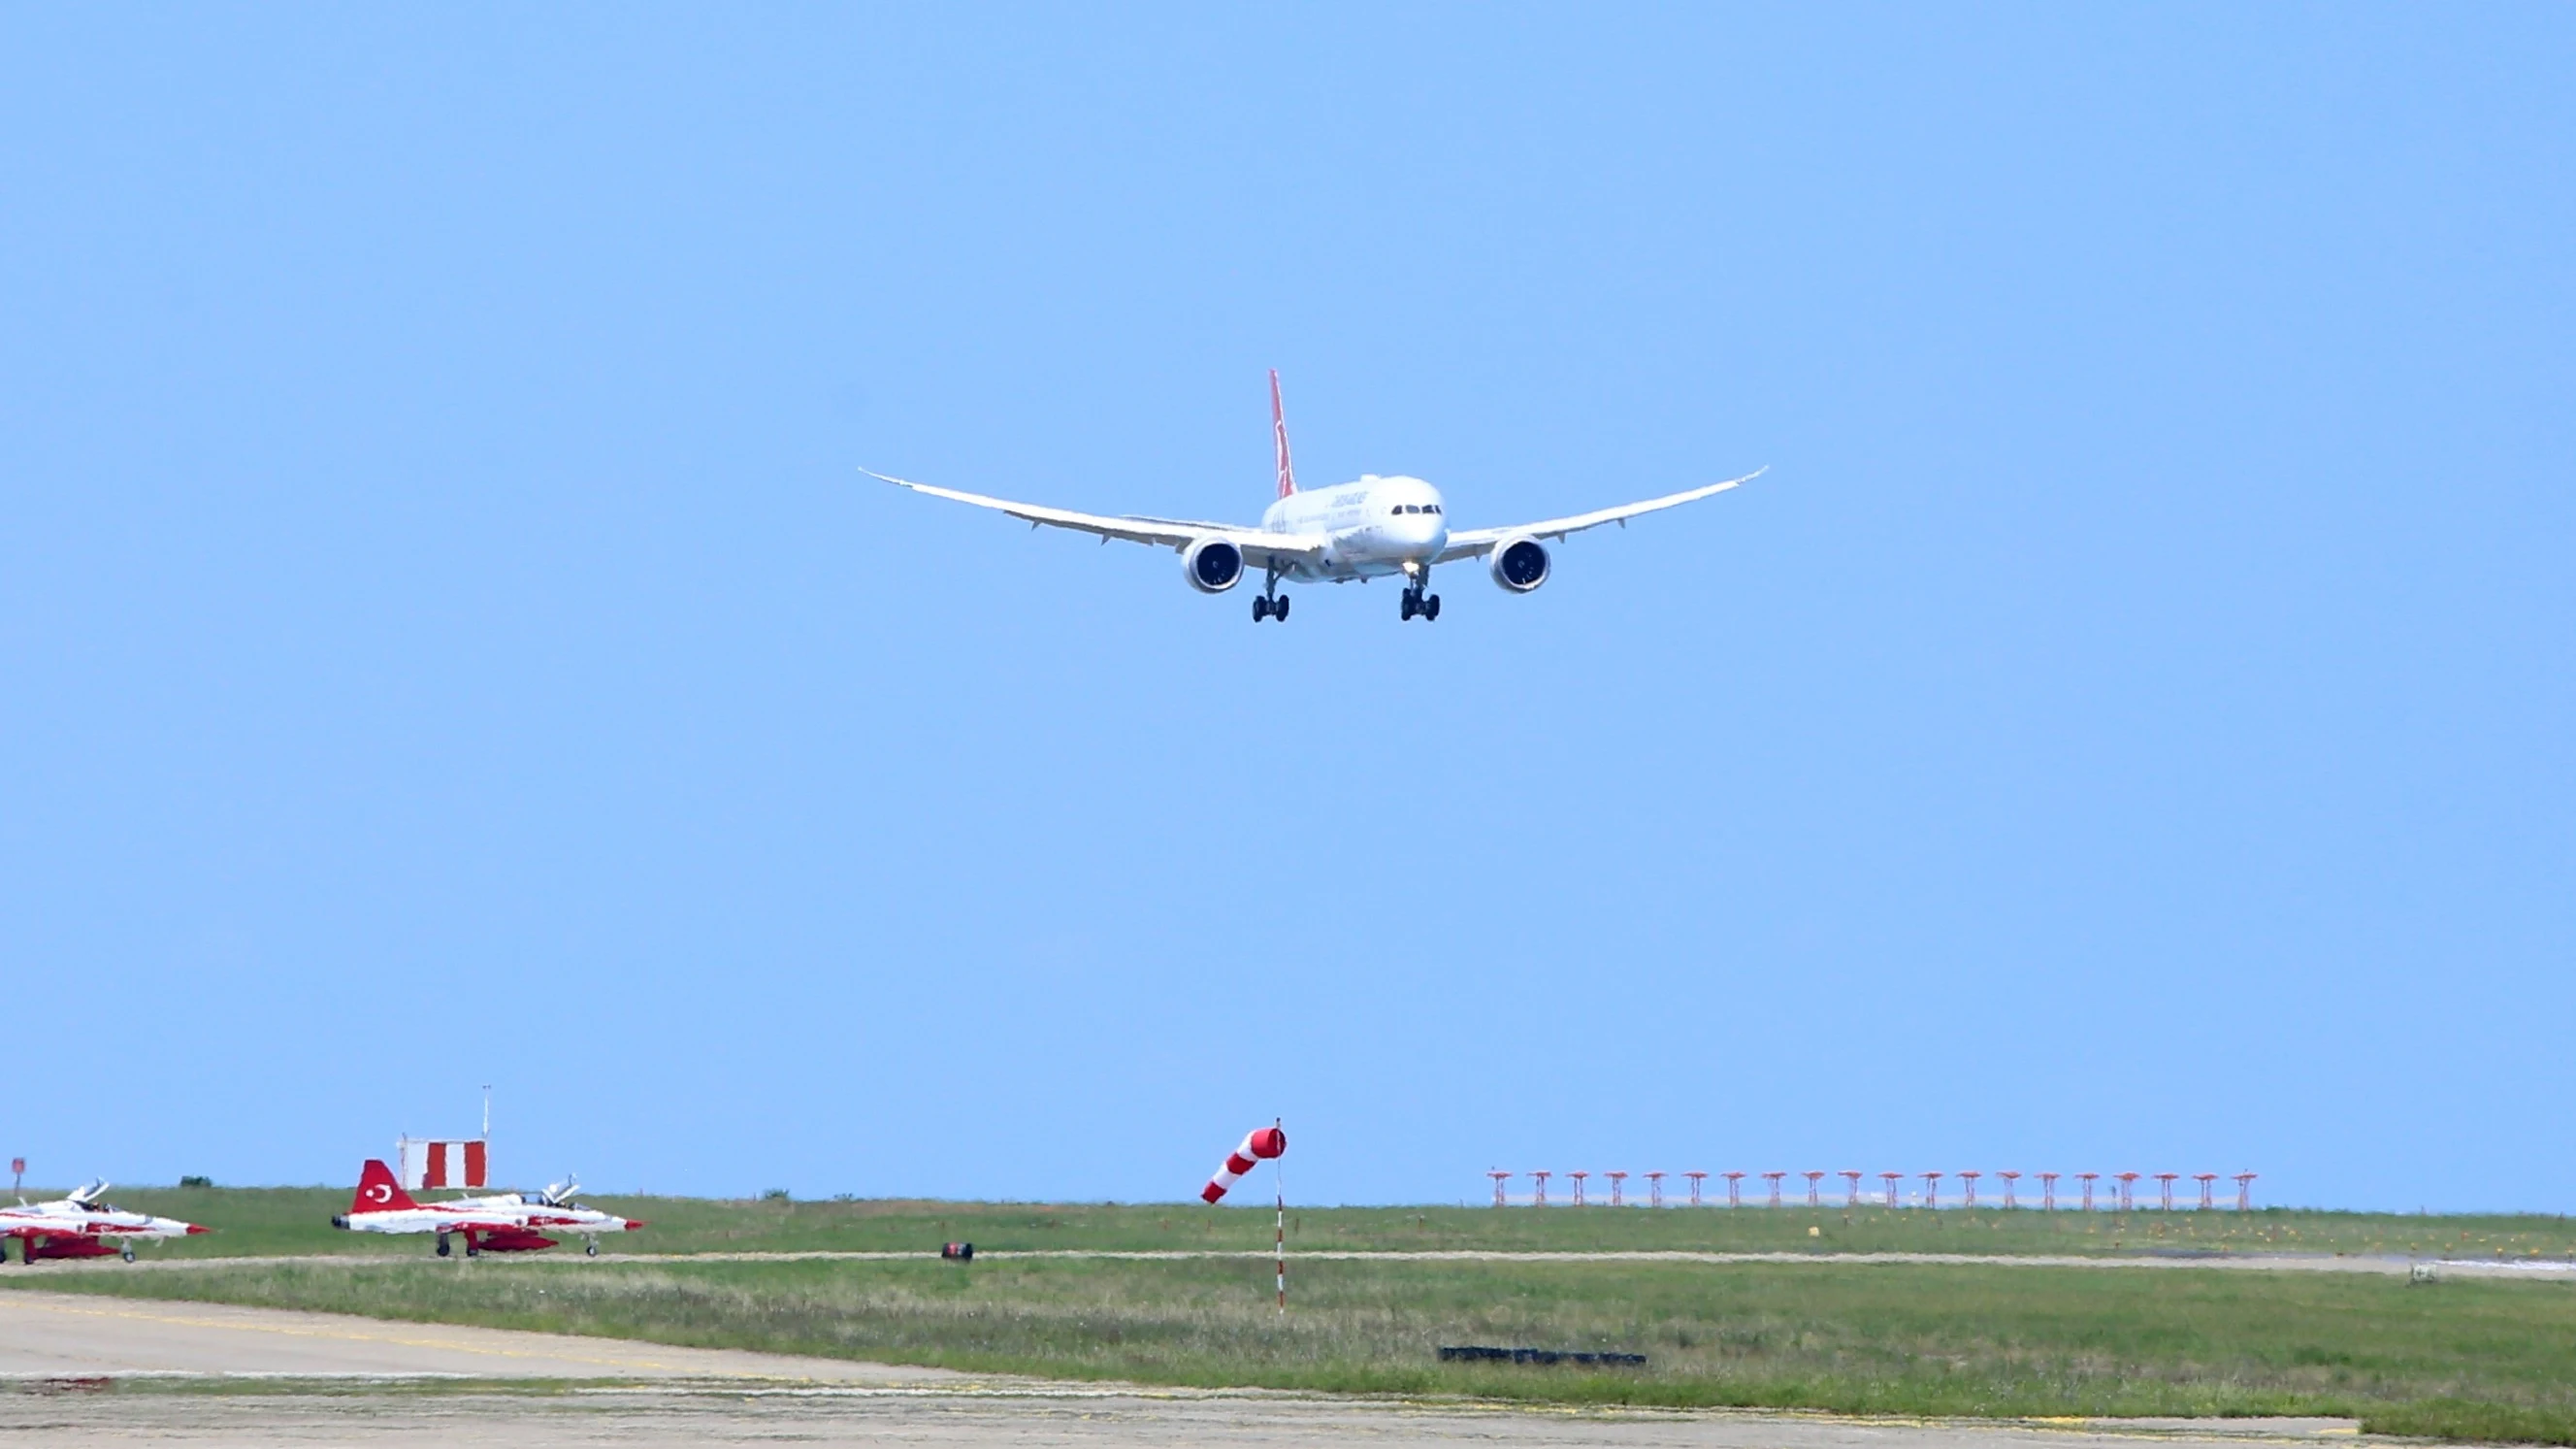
[440,1164]
[1259,1145]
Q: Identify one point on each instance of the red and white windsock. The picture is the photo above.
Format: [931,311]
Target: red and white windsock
[1259,1145]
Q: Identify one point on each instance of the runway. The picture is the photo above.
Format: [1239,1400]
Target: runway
[830,1417]
[72,1336]
[81,1370]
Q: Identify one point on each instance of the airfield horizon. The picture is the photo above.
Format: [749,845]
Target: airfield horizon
[295,1221]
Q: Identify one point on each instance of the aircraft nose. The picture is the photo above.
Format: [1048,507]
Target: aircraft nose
[196,1228]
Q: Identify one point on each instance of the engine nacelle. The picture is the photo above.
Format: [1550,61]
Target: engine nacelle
[1212,565]
[1519,564]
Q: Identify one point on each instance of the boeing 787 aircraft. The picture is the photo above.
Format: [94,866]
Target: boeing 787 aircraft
[1374,528]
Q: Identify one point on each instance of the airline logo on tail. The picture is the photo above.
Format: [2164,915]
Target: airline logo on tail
[1279,434]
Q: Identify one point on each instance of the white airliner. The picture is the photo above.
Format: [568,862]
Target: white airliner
[1374,528]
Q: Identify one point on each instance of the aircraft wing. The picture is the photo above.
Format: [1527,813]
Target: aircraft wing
[1477,542]
[1261,548]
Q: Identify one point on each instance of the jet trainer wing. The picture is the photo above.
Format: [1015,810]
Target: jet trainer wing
[1477,542]
[1261,548]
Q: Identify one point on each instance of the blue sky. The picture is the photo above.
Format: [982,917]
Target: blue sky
[448,641]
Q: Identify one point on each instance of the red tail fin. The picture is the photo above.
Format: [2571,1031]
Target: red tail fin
[1279,434]
[378,1191]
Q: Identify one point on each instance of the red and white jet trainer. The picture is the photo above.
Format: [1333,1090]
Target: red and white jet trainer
[1373,528]
[508,1222]
[83,1226]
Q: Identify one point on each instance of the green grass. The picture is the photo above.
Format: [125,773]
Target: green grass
[2472,1359]
[277,1221]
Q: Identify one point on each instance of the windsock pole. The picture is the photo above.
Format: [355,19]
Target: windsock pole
[1269,1142]
[1279,1183]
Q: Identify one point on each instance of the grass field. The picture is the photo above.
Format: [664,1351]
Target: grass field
[2469,1359]
[274,1221]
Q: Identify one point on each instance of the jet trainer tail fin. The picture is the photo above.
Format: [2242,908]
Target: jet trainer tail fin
[1279,434]
[378,1191]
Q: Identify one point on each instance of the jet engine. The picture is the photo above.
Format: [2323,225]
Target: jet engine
[1519,564]
[1212,565]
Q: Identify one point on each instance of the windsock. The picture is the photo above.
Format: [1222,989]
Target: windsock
[1259,1144]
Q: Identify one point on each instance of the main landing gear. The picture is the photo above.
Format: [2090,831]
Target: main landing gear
[1419,604]
[1270,603]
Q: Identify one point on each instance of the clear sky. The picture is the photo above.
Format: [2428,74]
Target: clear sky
[447,639]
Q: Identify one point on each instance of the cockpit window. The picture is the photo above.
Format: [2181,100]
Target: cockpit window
[1431,508]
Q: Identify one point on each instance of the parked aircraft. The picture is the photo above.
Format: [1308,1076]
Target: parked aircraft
[83,1225]
[1373,528]
[509,1222]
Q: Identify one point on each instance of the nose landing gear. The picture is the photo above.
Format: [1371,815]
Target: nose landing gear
[1419,604]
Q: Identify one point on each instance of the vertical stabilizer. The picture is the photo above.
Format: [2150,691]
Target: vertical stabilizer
[378,1191]
[1279,434]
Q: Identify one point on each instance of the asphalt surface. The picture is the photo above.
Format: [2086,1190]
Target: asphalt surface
[673,1417]
[64,1337]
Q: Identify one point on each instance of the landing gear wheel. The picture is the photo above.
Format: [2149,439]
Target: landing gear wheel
[591,1248]
[472,1248]
[442,1245]
[1404,611]
[127,1254]
[1260,608]
[1431,608]
[1279,608]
